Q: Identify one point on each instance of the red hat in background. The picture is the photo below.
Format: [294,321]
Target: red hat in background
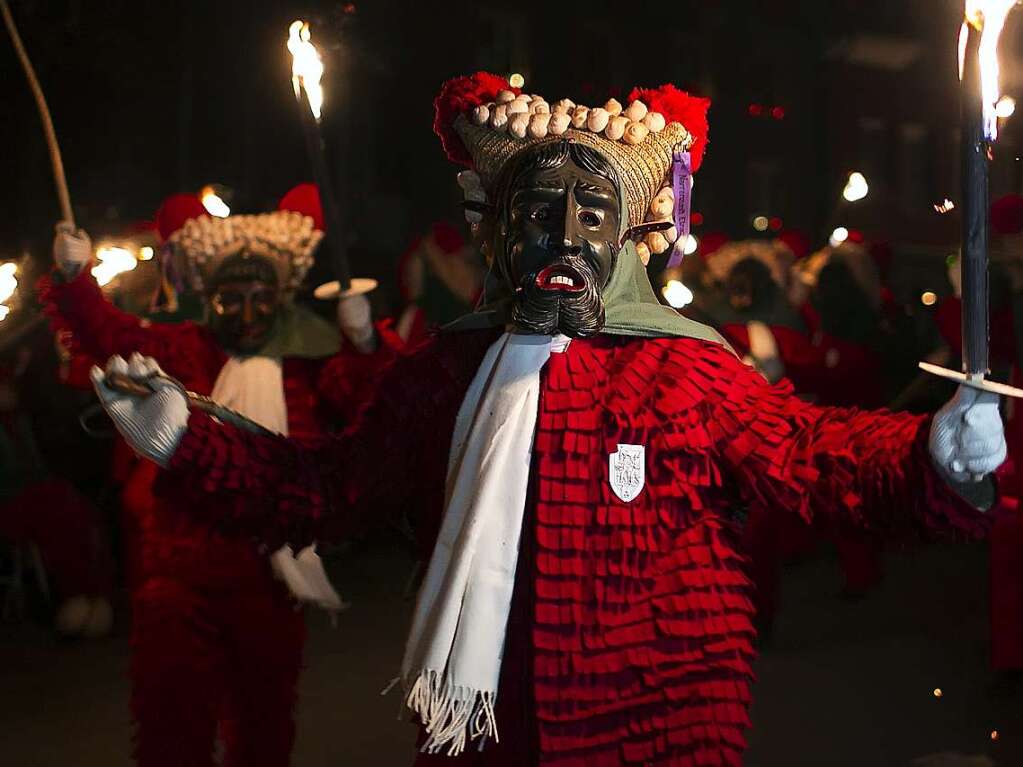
[797,242]
[305,199]
[710,242]
[1007,214]
[175,211]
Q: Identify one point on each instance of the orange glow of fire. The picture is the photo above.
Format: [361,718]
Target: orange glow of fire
[306,65]
[988,18]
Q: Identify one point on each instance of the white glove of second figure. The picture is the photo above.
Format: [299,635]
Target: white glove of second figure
[354,317]
[153,426]
[72,249]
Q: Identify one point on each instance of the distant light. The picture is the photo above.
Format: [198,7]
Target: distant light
[691,245]
[1005,106]
[760,223]
[937,692]
[778,113]
[676,294]
[146,253]
[928,298]
[8,284]
[840,235]
[697,218]
[113,260]
[213,204]
[856,187]
[755,110]
[945,206]
[516,80]
[775,223]
[994,734]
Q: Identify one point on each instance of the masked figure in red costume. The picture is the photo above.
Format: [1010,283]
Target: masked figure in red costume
[216,638]
[583,451]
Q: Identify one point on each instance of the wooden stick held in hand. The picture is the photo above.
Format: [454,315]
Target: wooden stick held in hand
[44,114]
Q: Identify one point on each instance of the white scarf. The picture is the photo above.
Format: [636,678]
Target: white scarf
[254,387]
[453,655]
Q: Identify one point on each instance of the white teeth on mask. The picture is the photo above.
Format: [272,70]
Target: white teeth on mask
[560,279]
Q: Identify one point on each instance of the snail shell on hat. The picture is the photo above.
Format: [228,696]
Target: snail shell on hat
[538,124]
[616,127]
[504,97]
[635,133]
[654,121]
[597,120]
[637,111]
[656,242]
[580,116]
[613,107]
[481,114]
[559,123]
[643,252]
[517,106]
[519,124]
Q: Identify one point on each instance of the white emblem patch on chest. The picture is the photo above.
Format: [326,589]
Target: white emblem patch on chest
[627,471]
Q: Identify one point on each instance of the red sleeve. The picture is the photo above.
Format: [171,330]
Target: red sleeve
[348,378]
[392,458]
[868,469]
[91,325]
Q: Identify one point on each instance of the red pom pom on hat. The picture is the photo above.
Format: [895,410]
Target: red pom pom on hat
[797,242]
[305,199]
[457,97]
[679,106]
[1007,214]
[175,211]
[711,242]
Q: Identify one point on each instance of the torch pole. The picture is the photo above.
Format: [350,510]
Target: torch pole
[975,206]
[336,232]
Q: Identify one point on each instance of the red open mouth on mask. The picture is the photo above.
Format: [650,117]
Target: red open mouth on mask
[560,278]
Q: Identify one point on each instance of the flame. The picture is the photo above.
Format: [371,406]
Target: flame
[306,65]
[113,260]
[213,204]
[988,18]
[8,284]
[945,206]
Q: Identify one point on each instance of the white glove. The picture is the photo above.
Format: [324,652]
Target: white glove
[967,437]
[154,425]
[72,249]
[355,318]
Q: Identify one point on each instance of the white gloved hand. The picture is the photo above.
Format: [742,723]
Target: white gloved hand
[355,319]
[154,425]
[967,437]
[72,249]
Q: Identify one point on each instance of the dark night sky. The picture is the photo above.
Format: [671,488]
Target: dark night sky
[151,98]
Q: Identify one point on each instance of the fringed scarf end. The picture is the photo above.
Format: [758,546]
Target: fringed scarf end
[452,715]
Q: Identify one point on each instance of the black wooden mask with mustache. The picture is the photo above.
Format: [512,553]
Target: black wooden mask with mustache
[558,240]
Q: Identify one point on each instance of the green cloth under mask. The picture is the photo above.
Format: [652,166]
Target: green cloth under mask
[630,307]
[299,332]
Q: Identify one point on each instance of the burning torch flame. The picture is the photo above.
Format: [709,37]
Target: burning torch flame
[988,18]
[306,65]
[856,187]
[113,260]
[945,206]
[8,284]
[213,204]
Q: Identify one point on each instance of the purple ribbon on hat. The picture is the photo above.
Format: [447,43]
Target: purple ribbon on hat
[681,174]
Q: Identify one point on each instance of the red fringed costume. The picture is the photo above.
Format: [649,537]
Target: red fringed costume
[216,639]
[631,638]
